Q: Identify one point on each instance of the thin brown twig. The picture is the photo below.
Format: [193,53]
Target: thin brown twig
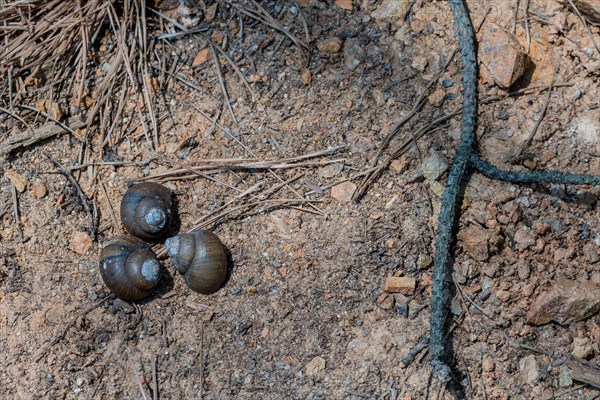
[183,172]
[50,117]
[232,136]
[262,15]
[110,208]
[215,60]
[201,395]
[531,136]
[266,206]
[526,23]
[587,28]
[467,298]
[15,201]
[154,379]
[85,201]
[515,17]
[17,117]
[138,380]
[401,149]
[233,65]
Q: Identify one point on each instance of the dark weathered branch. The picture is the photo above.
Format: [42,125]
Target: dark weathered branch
[494,172]
[446,220]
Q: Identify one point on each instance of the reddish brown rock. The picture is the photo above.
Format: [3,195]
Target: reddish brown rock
[567,301]
[502,55]
[201,57]
[344,4]
[81,242]
[343,192]
[403,284]
[18,180]
[488,364]
[399,166]
[331,45]
[39,189]
[524,238]
[437,98]
[529,370]
[475,241]
[503,295]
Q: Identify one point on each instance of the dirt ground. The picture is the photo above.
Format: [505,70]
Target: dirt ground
[304,314]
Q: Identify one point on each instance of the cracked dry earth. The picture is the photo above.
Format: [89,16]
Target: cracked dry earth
[305,313]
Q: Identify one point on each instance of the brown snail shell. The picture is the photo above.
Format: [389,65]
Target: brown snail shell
[129,267]
[200,257]
[147,210]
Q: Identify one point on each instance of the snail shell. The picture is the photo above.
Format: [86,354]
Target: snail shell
[129,267]
[147,210]
[200,257]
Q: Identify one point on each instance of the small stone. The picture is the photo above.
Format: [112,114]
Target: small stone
[502,55]
[503,295]
[437,98]
[424,261]
[531,164]
[567,301]
[353,54]
[547,156]
[331,45]
[475,241]
[591,252]
[391,9]
[400,284]
[331,170]
[390,203]
[488,364]
[201,57]
[376,216]
[19,181]
[529,370]
[455,307]
[344,4]
[211,12]
[523,270]
[81,242]
[315,366]
[524,238]
[540,227]
[399,166]
[305,77]
[582,347]
[426,279]
[343,192]
[434,166]
[419,63]
[39,189]
[564,378]
[437,188]
[51,108]
[386,301]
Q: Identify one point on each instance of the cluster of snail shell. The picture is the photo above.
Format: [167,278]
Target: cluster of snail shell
[129,267]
